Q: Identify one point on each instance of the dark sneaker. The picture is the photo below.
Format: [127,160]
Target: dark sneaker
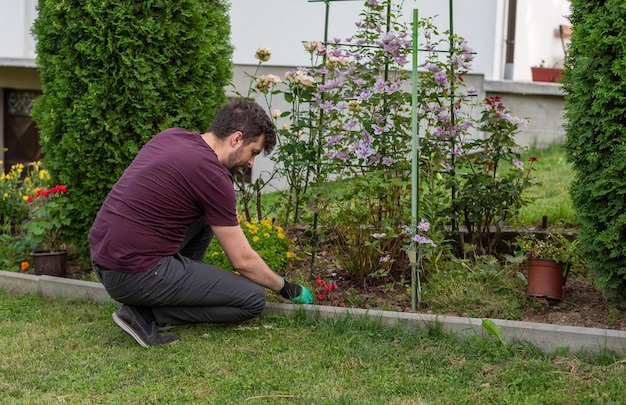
[146,334]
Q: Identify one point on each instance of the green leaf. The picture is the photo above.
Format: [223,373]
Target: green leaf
[494,330]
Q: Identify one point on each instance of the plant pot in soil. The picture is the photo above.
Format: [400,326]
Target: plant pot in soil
[50,263]
[545,278]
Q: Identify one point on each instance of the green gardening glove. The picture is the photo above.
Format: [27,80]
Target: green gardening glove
[296,293]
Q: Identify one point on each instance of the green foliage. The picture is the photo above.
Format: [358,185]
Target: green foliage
[494,330]
[358,213]
[595,95]
[48,218]
[267,239]
[492,179]
[113,75]
[13,253]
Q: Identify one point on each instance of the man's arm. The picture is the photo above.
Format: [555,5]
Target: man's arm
[245,260]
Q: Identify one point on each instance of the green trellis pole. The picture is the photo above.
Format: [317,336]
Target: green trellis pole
[416,296]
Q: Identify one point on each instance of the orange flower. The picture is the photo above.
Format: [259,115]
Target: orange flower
[24,266]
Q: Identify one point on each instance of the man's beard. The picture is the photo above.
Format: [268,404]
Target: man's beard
[234,162]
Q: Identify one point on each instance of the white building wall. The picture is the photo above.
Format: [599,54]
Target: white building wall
[537,36]
[282,25]
[16,18]
[287,23]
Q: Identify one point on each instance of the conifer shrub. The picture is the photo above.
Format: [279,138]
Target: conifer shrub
[114,74]
[595,100]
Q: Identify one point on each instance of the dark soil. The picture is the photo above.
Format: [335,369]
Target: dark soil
[582,305]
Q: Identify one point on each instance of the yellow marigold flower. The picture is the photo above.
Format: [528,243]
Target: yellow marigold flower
[266,235]
[255,239]
[251,227]
[291,255]
[25,197]
[267,222]
[214,254]
[5,196]
[239,218]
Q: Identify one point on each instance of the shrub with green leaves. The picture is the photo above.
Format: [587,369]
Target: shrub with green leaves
[113,75]
[266,238]
[595,86]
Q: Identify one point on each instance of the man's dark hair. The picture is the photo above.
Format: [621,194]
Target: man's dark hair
[247,117]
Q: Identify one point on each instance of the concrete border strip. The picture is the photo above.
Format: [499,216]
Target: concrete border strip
[546,337]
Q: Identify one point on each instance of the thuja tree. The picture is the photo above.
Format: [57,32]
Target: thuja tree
[116,73]
[595,99]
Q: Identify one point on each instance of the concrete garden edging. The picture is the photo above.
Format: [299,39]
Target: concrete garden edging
[546,337]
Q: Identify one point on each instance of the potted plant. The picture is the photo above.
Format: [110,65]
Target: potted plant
[551,257]
[48,216]
[542,73]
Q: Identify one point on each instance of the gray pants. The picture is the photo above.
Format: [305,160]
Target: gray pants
[181,289]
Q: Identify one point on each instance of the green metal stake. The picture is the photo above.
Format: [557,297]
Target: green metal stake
[413,260]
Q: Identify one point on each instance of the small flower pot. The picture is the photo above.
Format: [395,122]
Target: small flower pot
[50,263]
[545,278]
[546,74]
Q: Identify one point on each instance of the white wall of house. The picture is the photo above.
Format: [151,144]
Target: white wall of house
[16,42]
[282,25]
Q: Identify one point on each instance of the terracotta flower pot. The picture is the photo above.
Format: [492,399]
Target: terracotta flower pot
[545,278]
[546,74]
[50,263]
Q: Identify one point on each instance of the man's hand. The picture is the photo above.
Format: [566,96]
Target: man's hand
[296,293]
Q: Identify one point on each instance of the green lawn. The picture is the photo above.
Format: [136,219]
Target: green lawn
[57,351]
[551,196]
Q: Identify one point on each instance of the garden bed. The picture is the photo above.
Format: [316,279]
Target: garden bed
[583,304]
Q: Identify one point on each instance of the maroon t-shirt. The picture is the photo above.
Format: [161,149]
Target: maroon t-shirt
[174,180]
